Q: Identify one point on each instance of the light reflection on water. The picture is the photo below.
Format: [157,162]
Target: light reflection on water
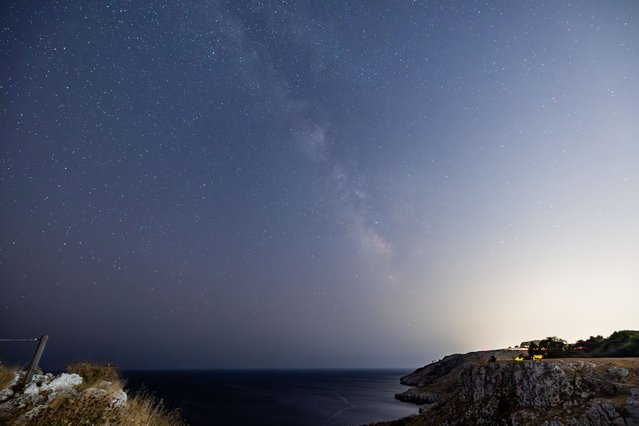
[288,397]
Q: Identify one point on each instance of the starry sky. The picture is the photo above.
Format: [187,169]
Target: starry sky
[207,184]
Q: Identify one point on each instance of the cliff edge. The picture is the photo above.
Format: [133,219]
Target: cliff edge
[490,388]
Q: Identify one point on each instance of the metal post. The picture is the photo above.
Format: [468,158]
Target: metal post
[36,359]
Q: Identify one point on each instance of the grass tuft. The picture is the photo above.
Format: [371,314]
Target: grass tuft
[92,374]
[7,374]
[145,409]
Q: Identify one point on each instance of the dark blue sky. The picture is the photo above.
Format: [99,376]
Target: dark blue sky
[324,184]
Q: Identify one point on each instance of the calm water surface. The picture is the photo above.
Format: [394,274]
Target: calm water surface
[299,397]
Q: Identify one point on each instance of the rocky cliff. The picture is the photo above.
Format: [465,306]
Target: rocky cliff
[473,389]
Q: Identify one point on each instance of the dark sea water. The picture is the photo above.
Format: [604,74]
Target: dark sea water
[269,397]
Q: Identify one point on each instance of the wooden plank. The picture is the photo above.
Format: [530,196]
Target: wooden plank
[36,359]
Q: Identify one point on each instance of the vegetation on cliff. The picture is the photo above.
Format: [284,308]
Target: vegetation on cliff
[623,343]
[87,394]
[591,382]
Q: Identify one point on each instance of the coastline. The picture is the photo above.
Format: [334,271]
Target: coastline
[474,388]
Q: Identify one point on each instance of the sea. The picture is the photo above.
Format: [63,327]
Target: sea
[277,397]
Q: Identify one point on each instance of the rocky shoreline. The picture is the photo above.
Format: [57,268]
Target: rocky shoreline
[489,387]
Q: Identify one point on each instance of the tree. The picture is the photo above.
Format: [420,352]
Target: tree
[554,347]
[533,349]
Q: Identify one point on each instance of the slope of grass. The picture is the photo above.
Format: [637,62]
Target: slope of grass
[92,403]
[87,409]
[7,374]
[92,373]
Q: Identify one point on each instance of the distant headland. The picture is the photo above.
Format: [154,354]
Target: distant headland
[539,382]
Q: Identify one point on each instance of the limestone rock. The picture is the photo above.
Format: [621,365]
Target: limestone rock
[64,384]
[5,394]
[602,413]
[416,396]
[620,372]
[119,399]
[27,404]
[32,389]
[63,381]
[470,390]
[632,407]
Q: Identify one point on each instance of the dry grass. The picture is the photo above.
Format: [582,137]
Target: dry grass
[94,407]
[92,374]
[629,362]
[144,409]
[141,410]
[76,410]
[7,374]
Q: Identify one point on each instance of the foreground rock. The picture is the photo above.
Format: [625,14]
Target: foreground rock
[470,389]
[87,394]
[46,393]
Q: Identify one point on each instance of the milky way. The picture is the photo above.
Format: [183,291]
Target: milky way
[324,184]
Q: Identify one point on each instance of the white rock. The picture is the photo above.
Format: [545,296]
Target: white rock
[119,399]
[40,378]
[64,384]
[104,384]
[34,412]
[19,375]
[32,389]
[63,381]
[5,394]
[95,393]
[618,371]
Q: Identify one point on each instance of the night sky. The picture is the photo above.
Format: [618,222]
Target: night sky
[208,184]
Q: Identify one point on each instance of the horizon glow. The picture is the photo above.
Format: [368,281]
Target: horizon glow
[334,184]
